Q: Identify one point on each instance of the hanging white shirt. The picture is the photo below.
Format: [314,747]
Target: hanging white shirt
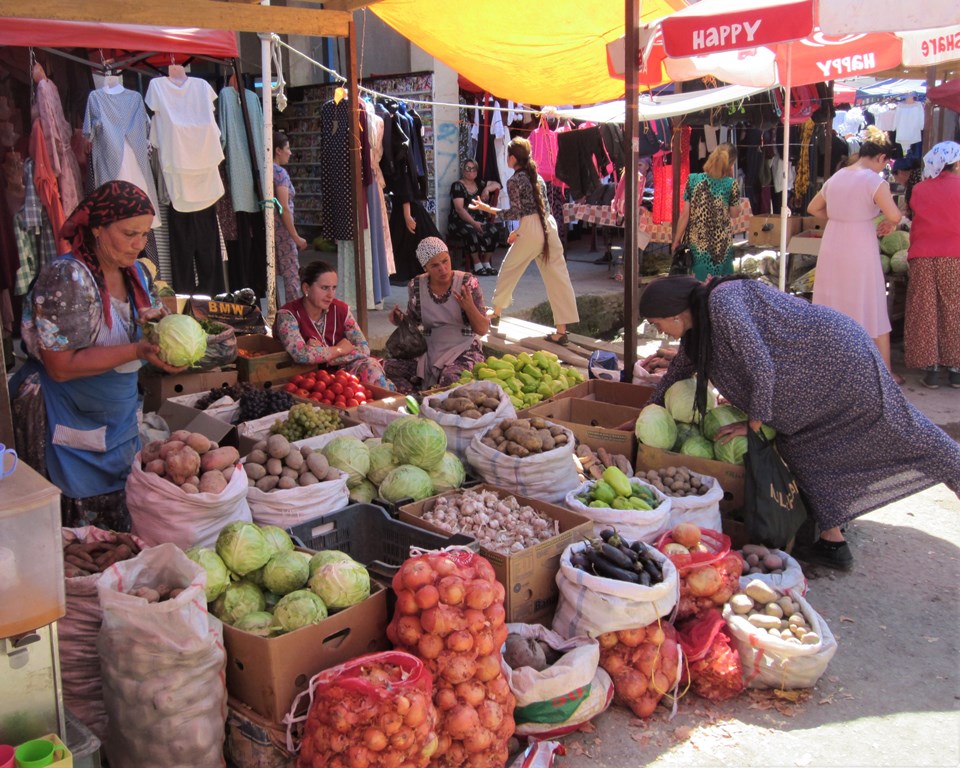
[909,124]
[185,131]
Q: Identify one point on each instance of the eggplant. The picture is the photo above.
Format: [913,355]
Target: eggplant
[652,567]
[615,556]
[606,533]
[607,570]
[580,560]
[634,557]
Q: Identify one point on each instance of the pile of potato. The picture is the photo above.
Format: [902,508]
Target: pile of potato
[674,481]
[191,461]
[758,559]
[86,558]
[161,594]
[779,615]
[467,402]
[275,464]
[522,437]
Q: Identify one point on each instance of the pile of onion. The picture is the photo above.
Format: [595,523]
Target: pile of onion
[450,614]
[709,572]
[372,712]
[643,664]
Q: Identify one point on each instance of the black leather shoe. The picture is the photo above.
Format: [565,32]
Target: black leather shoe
[831,554]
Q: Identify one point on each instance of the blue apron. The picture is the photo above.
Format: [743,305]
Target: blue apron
[92,430]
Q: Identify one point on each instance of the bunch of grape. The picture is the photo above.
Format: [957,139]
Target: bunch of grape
[256,403]
[233,391]
[306,421]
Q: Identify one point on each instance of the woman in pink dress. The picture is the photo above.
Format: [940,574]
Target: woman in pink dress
[849,275]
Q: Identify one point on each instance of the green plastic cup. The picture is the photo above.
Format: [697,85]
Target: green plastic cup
[35,754]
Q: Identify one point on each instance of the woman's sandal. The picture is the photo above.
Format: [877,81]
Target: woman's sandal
[562,339]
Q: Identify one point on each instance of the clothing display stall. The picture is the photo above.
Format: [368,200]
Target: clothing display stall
[174,156]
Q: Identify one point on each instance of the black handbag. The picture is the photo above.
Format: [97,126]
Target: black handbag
[682,261]
[773,505]
[406,342]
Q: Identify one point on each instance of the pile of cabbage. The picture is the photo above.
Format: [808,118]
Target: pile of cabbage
[893,252]
[675,427]
[410,461]
[258,582]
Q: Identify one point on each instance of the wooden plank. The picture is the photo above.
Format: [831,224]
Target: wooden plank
[205,14]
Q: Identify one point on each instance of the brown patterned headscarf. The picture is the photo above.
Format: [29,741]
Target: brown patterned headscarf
[110,202]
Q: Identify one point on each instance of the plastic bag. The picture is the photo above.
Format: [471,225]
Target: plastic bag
[407,342]
[163,666]
[591,605]
[161,512]
[773,506]
[642,524]
[558,699]
[77,639]
[728,566]
[378,691]
[770,662]
[378,419]
[548,476]
[460,431]
[714,668]
[540,754]
[221,349]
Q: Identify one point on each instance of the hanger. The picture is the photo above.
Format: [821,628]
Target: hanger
[339,94]
[176,72]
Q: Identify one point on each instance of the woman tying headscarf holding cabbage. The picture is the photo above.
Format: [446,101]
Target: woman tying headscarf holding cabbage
[81,326]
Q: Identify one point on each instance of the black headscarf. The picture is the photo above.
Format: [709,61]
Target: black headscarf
[669,296]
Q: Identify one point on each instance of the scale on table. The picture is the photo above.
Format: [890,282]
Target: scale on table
[31,601]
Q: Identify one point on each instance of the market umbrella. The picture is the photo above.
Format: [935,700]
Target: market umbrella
[764,43]
[946,95]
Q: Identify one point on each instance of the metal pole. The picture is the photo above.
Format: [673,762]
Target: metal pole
[357,110]
[784,208]
[631,126]
[266,77]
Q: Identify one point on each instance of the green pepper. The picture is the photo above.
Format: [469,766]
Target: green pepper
[483,373]
[636,502]
[517,402]
[599,505]
[618,481]
[504,373]
[603,491]
[524,359]
[532,371]
[508,358]
[544,389]
[540,360]
[498,365]
[553,369]
[620,503]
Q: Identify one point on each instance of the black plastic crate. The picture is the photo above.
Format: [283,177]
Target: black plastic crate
[370,536]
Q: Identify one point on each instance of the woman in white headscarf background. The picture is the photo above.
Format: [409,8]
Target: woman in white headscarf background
[931,337]
[450,307]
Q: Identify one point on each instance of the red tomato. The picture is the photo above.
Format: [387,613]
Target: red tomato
[337,388]
[325,376]
[290,387]
[298,380]
[302,393]
[340,402]
[348,391]
[352,403]
[316,397]
[319,386]
[360,398]
[328,396]
[367,393]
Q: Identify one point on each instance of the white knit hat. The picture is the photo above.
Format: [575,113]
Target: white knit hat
[430,247]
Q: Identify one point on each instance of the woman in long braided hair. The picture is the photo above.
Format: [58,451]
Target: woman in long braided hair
[536,238]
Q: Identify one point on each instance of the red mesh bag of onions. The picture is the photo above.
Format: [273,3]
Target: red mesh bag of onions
[709,572]
[372,712]
[450,614]
[715,671]
[644,664]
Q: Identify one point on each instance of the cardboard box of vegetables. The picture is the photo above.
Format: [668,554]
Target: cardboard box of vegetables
[288,614]
[522,538]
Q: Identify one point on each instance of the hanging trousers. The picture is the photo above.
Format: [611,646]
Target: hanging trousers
[195,258]
[556,279]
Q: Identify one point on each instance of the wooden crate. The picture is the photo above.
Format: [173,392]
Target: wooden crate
[272,363]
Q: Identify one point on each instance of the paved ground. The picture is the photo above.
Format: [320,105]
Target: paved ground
[890,696]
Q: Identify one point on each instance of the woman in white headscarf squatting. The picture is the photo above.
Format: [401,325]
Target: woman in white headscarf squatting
[450,307]
[931,334]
